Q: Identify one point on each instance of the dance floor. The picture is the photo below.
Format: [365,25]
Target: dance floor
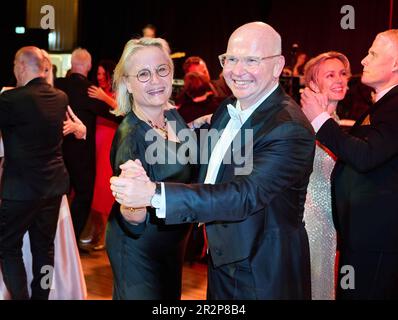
[98,275]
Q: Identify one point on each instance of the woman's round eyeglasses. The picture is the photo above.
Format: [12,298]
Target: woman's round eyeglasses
[145,75]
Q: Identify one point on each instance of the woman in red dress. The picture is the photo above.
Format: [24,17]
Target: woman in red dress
[105,130]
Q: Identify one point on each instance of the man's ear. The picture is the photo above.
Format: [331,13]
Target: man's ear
[278,66]
[314,87]
[23,69]
[395,65]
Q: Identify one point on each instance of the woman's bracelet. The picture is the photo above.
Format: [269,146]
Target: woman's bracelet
[131,211]
[134,210]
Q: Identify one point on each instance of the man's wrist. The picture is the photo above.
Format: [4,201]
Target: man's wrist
[319,120]
[156,197]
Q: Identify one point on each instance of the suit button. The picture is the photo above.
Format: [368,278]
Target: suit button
[218,252]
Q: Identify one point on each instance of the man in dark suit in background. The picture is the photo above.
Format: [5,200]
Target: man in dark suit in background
[35,178]
[196,64]
[365,178]
[79,154]
[253,211]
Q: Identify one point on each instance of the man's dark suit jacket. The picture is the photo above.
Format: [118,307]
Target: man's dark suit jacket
[365,178]
[31,121]
[258,216]
[79,154]
[86,109]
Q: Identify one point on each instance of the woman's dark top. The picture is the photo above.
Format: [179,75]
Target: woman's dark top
[147,259]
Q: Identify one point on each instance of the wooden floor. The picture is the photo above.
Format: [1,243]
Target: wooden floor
[98,275]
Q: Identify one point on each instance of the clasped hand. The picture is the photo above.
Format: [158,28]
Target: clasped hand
[132,189]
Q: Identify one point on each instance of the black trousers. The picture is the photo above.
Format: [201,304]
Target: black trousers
[40,218]
[81,168]
[375,275]
[232,281]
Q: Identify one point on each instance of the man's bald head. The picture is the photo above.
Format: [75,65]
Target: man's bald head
[392,37]
[28,64]
[32,57]
[380,66]
[261,35]
[254,62]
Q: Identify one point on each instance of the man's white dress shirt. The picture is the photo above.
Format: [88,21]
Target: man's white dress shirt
[238,118]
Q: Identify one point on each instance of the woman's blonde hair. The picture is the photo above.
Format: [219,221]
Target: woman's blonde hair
[124,99]
[48,69]
[311,68]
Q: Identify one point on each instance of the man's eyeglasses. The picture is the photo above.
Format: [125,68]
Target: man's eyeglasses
[227,60]
[145,75]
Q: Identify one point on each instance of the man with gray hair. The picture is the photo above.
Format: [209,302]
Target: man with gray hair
[258,246]
[79,154]
[365,178]
[35,178]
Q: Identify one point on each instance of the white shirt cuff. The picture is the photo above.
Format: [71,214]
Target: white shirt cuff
[318,122]
[161,211]
[1,148]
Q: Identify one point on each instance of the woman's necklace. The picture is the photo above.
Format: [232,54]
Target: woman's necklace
[162,129]
[335,116]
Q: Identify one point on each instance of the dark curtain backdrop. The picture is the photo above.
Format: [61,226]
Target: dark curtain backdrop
[315,26]
[11,17]
[194,27]
[203,27]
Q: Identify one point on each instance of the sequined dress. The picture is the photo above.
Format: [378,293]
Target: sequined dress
[320,228]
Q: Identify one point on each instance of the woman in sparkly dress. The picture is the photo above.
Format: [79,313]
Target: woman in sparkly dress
[327,73]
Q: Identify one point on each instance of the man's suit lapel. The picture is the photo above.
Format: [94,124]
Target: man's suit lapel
[361,120]
[257,123]
[357,125]
[260,119]
[375,107]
